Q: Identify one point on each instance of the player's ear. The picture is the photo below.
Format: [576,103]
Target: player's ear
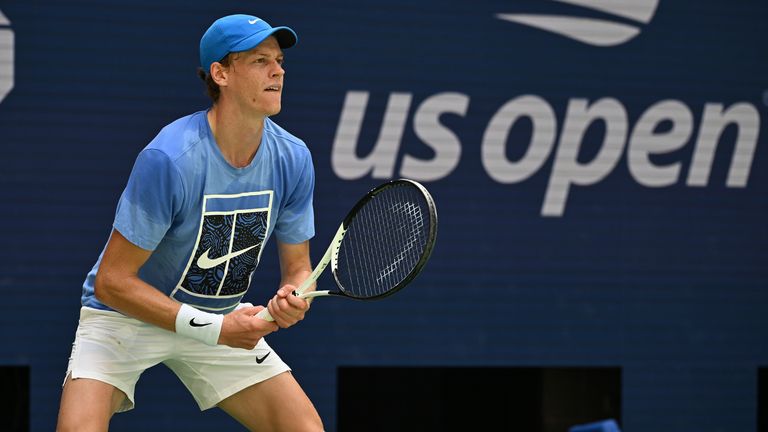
[219,74]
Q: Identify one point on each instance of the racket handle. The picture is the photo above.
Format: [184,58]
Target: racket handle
[308,296]
[264,314]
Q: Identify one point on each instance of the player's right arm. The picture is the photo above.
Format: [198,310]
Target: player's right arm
[119,286]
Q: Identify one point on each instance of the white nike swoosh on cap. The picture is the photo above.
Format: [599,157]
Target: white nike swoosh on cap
[204,262]
[592,31]
[254,21]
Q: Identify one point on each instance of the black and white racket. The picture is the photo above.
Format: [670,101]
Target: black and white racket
[381,246]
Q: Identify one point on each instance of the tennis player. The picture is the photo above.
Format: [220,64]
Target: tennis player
[200,204]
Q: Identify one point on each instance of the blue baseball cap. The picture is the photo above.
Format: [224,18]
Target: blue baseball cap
[235,33]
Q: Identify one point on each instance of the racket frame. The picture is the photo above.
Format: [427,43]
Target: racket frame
[332,252]
[336,245]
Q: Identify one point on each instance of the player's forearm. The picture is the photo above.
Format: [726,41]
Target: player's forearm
[295,277]
[136,298]
[295,266]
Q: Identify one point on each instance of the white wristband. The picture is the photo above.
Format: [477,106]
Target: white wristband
[199,325]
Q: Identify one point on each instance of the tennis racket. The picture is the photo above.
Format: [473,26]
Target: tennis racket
[381,246]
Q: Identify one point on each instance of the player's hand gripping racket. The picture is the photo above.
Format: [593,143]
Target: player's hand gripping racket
[381,246]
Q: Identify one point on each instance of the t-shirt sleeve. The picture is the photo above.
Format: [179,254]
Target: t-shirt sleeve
[296,220]
[150,200]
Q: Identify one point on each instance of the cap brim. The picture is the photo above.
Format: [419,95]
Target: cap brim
[286,38]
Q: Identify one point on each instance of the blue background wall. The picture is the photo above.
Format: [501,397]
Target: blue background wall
[660,272]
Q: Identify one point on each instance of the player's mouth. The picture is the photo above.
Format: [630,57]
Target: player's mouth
[273,88]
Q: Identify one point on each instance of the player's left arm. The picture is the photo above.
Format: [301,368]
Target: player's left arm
[295,267]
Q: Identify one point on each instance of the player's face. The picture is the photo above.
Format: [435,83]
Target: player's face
[257,78]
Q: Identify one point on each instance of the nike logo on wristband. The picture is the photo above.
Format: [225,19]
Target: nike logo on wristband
[261,360]
[194,324]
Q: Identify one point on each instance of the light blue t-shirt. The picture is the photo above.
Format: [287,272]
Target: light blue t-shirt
[205,221]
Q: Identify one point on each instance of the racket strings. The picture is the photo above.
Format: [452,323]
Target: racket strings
[384,242]
[410,232]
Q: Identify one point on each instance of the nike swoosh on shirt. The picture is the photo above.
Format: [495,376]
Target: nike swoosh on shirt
[204,262]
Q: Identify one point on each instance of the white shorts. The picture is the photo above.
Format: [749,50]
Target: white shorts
[116,349]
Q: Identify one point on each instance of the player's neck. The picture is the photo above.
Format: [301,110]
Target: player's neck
[237,136]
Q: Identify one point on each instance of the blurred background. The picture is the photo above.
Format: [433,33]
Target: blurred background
[600,171]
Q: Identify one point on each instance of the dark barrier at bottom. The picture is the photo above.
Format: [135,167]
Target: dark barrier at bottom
[534,399]
[14,398]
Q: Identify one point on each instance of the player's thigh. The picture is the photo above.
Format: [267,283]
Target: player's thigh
[87,405]
[277,404]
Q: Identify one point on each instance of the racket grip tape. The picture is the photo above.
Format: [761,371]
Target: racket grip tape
[264,313]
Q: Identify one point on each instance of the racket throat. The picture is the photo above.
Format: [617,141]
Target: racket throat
[330,255]
[313,294]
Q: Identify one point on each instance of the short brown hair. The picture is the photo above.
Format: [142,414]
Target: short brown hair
[211,87]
